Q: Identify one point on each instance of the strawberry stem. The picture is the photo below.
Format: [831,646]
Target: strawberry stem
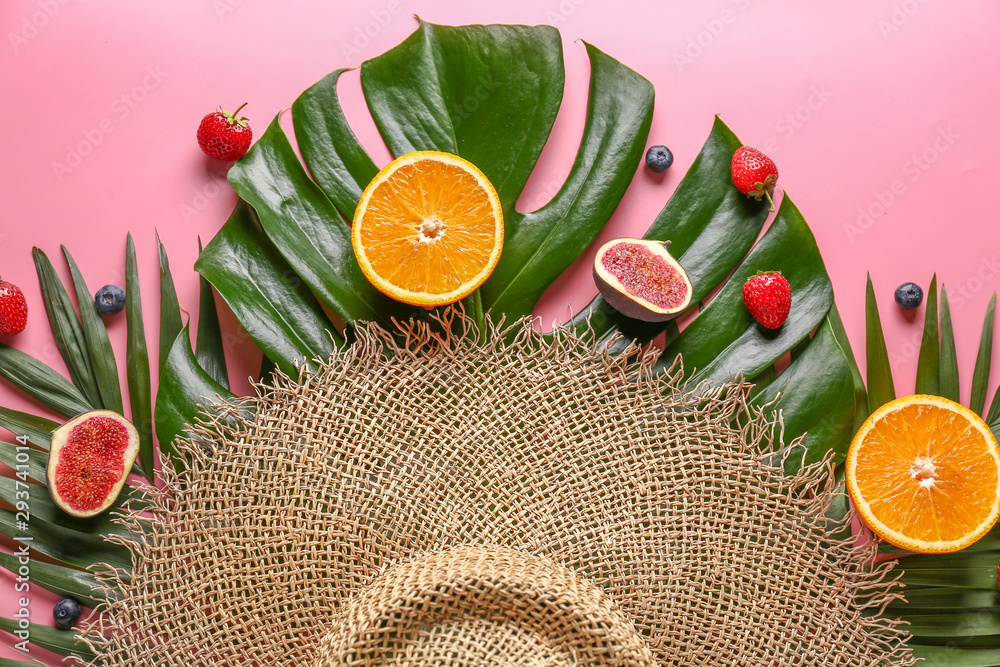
[235,113]
[767,193]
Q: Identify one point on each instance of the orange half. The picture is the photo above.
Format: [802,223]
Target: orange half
[924,474]
[428,229]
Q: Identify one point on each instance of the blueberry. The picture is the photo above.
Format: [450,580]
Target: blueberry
[659,158]
[110,299]
[66,613]
[909,296]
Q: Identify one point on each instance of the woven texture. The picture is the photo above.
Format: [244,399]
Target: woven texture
[424,499]
[482,605]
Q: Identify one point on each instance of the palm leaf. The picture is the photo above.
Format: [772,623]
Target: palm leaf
[58,641]
[137,364]
[38,430]
[41,382]
[929,360]
[948,374]
[66,329]
[981,374]
[881,388]
[102,356]
[65,582]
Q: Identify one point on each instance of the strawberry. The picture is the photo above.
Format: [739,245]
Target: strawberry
[768,297]
[754,174]
[223,136]
[13,309]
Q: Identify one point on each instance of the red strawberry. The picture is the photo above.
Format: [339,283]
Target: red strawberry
[13,309]
[224,136]
[754,174]
[768,297]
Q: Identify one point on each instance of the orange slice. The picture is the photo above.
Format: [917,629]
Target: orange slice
[428,229]
[924,474]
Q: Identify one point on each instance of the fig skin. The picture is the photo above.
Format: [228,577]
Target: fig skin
[59,438]
[632,305]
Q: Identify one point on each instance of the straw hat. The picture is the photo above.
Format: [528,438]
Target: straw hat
[423,499]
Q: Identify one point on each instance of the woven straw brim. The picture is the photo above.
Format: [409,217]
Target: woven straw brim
[326,519]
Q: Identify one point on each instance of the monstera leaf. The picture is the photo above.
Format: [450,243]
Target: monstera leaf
[285,265]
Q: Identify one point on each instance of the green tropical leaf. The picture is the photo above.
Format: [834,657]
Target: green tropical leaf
[209,350]
[63,581]
[861,409]
[274,306]
[724,340]
[31,462]
[137,364]
[460,89]
[817,400]
[307,229]
[542,244]
[335,157]
[985,627]
[171,322]
[43,509]
[965,575]
[37,429]
[981,374]
[185,391]
[65,545]
[66,329]
[710,230]
[881,388]
[8,662]
[948,374]
[52,639]
[937,599]
[929,361]
[102,356]
[954,656]
[41,382]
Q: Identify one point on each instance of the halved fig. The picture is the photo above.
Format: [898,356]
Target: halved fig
[640,279]
[90,457]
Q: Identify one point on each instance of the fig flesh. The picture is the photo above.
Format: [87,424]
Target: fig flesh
[89,459]
[640,279]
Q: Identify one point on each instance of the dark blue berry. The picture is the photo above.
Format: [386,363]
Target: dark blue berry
[909,296]
[110,299]
[66,613]
[659,158]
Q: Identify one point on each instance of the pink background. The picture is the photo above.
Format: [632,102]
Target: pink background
[878,114]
